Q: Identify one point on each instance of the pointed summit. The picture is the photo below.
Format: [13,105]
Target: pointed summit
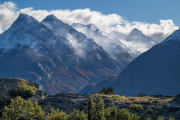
[24,18]
[52,18]
[52,22]
[137,35]
[136,31]
[22,15]
[92,27]
[140,41]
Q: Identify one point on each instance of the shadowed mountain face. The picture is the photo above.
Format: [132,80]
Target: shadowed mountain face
[156,71]
[58,57]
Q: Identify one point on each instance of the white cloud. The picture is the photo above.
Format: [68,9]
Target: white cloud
[109,22]
[7,15]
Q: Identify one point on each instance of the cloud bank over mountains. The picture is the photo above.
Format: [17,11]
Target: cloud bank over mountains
[9,11]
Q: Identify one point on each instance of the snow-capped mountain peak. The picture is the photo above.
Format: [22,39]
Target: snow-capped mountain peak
[52,16]
[25,20]
[137,35]
[137,32]
[92,27]
[138,41]
[58,26]
[27,27]
[79,41]
[52,21]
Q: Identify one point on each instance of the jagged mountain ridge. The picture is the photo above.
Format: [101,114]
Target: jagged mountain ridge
[154,72]
[31,50]
[117,51]
[118,45]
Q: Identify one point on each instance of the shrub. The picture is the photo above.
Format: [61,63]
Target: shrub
[57,115]
[107,91]
[23,90]
[111,113]
[137,109]
[123,114]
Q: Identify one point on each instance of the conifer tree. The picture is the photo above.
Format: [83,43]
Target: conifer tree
[15,110]
[91,108]
[28,110]
[39,114]
[99,109]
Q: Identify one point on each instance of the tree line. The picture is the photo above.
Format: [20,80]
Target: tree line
[21,109]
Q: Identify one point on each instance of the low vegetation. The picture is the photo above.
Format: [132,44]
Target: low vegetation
[23,90]
[21,109]
[107,91]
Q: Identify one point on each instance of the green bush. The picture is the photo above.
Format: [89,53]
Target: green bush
[136,109]
[107,91]
[57,115]
[23,90]
[77,115]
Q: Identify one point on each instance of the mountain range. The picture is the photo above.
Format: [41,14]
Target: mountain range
[154,72]
[57,56]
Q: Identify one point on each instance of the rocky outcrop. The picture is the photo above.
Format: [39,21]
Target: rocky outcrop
[7,84]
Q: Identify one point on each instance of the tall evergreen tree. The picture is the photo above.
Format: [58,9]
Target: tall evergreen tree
[100,109]
[91,108]
[39,114]
[29,110]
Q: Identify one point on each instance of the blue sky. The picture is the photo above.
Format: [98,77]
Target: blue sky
[134,10]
